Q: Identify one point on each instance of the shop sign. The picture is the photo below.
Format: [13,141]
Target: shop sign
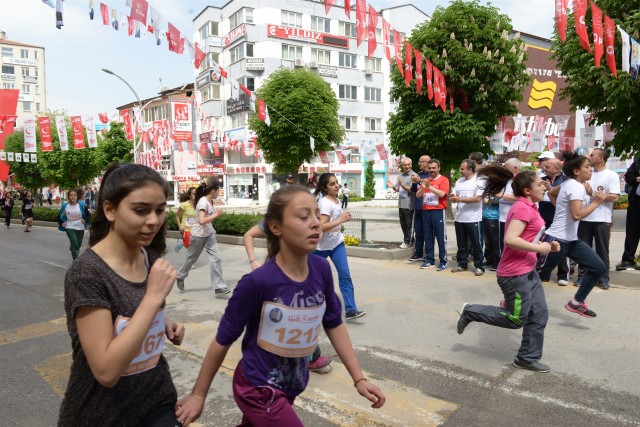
[183,178]
[208,170]
[328,70]
[203,79]
[239,105]
[30,79]
[8,76]
[308,36]
[20,61]
[254,64]
[234,35]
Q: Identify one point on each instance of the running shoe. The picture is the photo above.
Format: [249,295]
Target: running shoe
[354,314]
[403,245]
[463,320]
[563,282]
[458,269]
[322,365]
[577,283]
[604,284]
[479,272]
[180,284]
[426,265]
[625,265]
[442,266]
[580,308]
[415,258]
[533,366]
[493,268]
[222,291]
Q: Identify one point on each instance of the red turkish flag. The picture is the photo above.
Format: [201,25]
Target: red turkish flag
[4,171]
[373,23]
[203,150]
[419,59]
[361,21]
[216,149]
[131,26]
[126,118]
[436,87]
[245,90]
[408,50]
[561,18]
[609,38]
[328,4]
[323,156]
[386,27]
[579,12]
[443,92]
[104,13]
[173,37]
[598,33]
[347,8]
[139,10]
[429,67]
[382,152]
[342,159]
[103,118]
[44,123]
[78,135]
[199,57]
[396,46]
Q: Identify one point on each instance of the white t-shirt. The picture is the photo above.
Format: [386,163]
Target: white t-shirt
[330,238]
[505,205]
[563,226]
[468,212]
[74,217]
[345,191]
[607,181]
[203,230]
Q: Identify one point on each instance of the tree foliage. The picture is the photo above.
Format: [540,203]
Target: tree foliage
[115,148]
[369,189]
[611,100]
[26,174]
[468,42]
[300,104]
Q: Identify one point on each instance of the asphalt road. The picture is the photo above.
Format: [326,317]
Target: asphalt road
[407,344]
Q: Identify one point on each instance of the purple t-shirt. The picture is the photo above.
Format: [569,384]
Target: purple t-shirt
[513,261]
[245,309]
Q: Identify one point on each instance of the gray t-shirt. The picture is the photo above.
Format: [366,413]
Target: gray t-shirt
[90,282]
[406,199]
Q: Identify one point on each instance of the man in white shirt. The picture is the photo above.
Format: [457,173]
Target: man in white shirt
[468,195]
[597,226]
[507,198]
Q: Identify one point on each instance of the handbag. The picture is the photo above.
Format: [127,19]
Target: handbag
[186,238]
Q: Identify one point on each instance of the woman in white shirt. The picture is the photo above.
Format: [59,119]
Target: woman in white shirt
[332,243]
[570,204]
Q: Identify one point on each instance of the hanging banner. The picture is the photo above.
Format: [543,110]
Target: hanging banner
[382,152]
[128,129]
[29,129]
[34,158]
[61,126]
[45,133]
[78,134]
[181,121]
[588,137]
[90,125]
[323,156]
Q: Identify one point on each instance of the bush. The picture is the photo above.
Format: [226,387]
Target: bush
[622,203]
[369,181]
[235,224]
[39,214]
[351,241]
[358,199]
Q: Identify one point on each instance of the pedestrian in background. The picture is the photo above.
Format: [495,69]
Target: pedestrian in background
[50,197]
[406,201]
[506,198]
[632,237]
[40,197]
[73,219]
[116,311]
[345,195]
[26,211]
[7,202]
[186,215]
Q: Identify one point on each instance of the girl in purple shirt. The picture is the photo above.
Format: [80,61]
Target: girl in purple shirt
[280,307]
[524,304]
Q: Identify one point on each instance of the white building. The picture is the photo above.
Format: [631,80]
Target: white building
[23,68]
[251,39]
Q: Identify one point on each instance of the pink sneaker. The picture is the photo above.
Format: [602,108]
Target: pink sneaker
[580,308]
[322,365]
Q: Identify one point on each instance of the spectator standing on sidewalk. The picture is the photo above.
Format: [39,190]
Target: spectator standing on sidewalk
[50,197]
[632,178]
[596,228]
[418,227]
[434,191]
[468,220]
[39,197]
[506,198]
[406,201]
[553,177]
[345,196]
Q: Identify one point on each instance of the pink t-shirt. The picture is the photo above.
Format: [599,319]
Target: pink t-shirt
[513,261]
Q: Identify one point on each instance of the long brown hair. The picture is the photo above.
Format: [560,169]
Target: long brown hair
[275,212]
[497,177]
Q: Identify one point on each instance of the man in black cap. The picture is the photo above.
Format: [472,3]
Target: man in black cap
[288,180]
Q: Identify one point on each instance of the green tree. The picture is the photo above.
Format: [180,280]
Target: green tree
[115,148]
[611,100]
[468,42]
[26,174]
[369,181]
[300,104]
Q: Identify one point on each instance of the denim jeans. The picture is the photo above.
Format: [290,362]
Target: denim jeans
[338,256]
[418,229]
[435,229]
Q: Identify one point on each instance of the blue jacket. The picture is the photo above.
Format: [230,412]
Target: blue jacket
[62,216]
[414,190]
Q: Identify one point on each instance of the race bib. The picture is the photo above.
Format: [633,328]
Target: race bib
[430,199]
[191,221]
[465,194]
[152,345]
[539,235]
[290,332]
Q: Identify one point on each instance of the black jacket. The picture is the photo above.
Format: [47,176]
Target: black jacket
[630,177]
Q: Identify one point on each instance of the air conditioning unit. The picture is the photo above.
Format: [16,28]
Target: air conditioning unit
[299,62]
[368,71]
[313,64]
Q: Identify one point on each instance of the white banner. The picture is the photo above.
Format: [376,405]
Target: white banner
[29,134]
[90,125]
[62,133]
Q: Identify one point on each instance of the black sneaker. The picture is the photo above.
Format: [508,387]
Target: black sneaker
[415,258]
[625,265]
[222,291]
[354,314]
[463,320]
[180,284]
[533,366]
[604,284]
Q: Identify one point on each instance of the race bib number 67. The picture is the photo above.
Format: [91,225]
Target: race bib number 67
[151,348]
[290,332]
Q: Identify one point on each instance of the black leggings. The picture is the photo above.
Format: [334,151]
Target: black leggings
[163,416]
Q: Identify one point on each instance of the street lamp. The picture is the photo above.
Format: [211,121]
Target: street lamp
[135,145]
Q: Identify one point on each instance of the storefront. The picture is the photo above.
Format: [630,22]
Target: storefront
[248,185]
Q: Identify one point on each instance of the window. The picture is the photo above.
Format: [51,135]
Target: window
[7,52]
[320,24]
[250,83]
[349,122]
[208,29]
[372,125]
[238,120]
[374,63]
[38,106]
[26,105]
[347,92]
[8,69]
[210,92]
[291,19]
[391,38]
[372,94]
[24,54]
[321,56]
[243,50]
[37,89]
[291,52]
[8,86]
[26,89]
[35,72]
[35,54]
[25,72]
[208,61]
[348,60]
[240,17]
[158,112]
[347,29]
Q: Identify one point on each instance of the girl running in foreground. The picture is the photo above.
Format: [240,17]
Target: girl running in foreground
[270,303]
[114,300]
[524,302]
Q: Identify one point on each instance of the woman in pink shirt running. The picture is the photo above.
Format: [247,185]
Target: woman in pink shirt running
[524,304]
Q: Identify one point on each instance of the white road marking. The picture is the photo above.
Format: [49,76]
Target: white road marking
[66,267]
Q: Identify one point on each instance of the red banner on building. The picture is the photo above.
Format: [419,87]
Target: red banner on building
[181,121]
[382,152]
[78,134]
[44,123]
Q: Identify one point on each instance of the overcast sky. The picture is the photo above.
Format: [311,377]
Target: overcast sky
[76,54]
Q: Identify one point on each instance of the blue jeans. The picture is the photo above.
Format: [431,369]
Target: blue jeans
[418,249]
[434,229]
[338,256]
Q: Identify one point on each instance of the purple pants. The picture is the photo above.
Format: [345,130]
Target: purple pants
[263,406]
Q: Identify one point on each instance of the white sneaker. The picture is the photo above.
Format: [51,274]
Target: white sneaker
[563,282]
[404,246]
